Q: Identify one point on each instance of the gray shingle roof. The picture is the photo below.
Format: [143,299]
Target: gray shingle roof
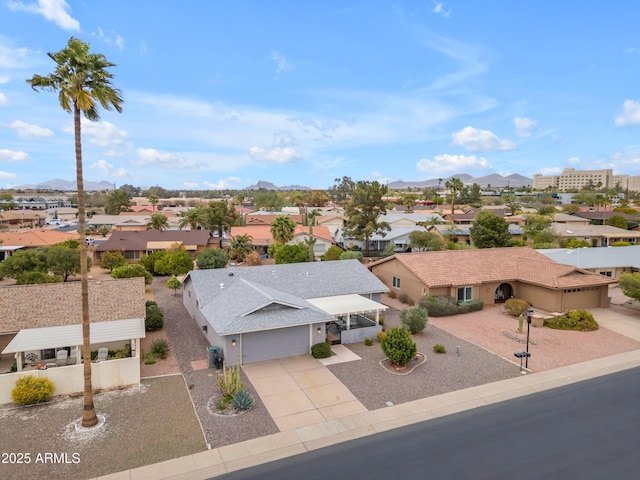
[598,257]
[274,296]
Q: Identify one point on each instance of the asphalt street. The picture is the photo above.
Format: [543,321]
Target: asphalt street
[588,430]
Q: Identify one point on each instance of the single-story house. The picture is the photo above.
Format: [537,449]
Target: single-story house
[261,237]
[399,236]
[23,218]
[608,261]
[39,322]
[564,218]
[36,238]
[597,235]
[322,235]
[462,233]
[272,311]
[134,245]
[494,275]
[130,222]
[267,218]
[409,219]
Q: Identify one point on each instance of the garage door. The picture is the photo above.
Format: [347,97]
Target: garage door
[270,344]
[581,299]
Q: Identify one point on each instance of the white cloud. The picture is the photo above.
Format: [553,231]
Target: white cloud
[153,157]
[275,154]
[476,140]
[53,10]
[447,163]
[4,79]
[573,161]
[630,114]
[524,126]
[108,170]
[438,8]
[11,156]
[102,134]
[281,62]
[7,175]
[11,58]
[27,130]
[112,38]
[3,99]
[223,183]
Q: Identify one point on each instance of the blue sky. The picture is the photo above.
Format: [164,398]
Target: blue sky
[221,94]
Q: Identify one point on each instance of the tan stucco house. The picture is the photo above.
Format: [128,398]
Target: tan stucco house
[494,275]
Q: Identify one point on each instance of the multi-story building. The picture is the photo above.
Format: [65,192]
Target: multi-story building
[571,179]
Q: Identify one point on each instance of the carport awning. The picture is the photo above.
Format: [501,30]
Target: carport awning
[69,335]
[346,304]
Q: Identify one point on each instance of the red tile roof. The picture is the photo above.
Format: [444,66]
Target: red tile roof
[490,265]
[36,238]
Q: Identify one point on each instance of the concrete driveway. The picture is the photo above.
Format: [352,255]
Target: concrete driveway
[627,323]
[300,391]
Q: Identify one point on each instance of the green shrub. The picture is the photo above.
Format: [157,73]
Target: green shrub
[332,253]
[381,336]
[368,342]
[439,348]
[230,382]
[516,306]
[160,348]
[131,271]
[321,350]
[471,306]
[440,306]
[579,320]
[444,306]
[242,400]
[221,405]
[404,298]
[414,318]
[398,346]
[30,390]
[155,318]
[150,360]
[351,255]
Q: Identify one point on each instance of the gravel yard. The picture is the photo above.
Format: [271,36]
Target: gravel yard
[139,430]
[156,421]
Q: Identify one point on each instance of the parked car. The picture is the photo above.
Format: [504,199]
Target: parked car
[57,222]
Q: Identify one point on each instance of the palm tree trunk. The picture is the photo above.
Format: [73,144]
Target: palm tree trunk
[89,418]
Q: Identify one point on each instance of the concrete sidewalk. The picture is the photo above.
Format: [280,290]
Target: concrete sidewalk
[299,440]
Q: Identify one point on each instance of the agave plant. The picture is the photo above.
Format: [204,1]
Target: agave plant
[242,400]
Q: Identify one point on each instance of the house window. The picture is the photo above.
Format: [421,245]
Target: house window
[606,274]
[396,282]
[465,294]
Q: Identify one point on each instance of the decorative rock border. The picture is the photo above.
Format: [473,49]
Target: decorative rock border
[419,359]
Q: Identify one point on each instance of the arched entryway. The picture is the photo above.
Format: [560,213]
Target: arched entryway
[503,293]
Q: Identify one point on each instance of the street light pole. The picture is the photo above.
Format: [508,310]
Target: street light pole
[529,314]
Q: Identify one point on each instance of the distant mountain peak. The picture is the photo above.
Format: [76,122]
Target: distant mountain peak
[67,185]
[494,180]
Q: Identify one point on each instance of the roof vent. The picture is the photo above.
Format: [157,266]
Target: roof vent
[222,285]
[231,274]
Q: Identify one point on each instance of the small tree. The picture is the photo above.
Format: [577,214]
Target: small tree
[130,271]
[398,346]
[212,258]
[332,253]
[174,284]
[414,318]
[351,255]
[111,260]
[155,317]
[630,285]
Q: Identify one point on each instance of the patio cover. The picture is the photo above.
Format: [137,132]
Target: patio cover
[346,304]
[69,335]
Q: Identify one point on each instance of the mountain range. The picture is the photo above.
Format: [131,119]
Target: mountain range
[67,186]
[493,180]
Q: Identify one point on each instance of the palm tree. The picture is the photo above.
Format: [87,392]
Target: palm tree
[282,229]
[454,185]
[241,245]
[192,218]
[157,222]
[311,241]
[82,81]
[153,200]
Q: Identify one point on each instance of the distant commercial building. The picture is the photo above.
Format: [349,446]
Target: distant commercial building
[570,179]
